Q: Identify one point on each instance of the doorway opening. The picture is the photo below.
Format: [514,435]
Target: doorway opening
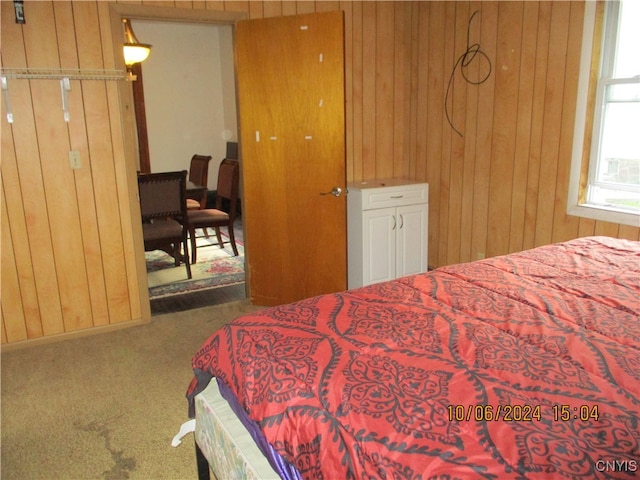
[179,120]
[214,265]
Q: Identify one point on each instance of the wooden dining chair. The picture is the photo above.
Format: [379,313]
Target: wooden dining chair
[164,214]
[227,189]
[199,174]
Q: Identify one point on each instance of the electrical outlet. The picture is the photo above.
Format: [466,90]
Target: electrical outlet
[480,256]
[74,159]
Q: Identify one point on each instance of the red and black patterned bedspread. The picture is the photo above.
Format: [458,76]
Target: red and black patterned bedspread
[521,366]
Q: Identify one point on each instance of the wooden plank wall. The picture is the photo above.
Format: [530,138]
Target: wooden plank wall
[500,186]
[67,256]
[67,249]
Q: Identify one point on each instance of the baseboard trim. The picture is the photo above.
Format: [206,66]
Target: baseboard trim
[60,337]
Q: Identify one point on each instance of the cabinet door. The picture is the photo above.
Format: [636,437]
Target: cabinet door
[379,245]
[412,240]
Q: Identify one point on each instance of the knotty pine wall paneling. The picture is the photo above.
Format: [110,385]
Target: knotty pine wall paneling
[73,270]
[551,121]
[430,93]
[539,73]
[60,203]
[565,226]
[477,68]
[70,262]
[480,129]
[86,52]
[367,84]
[524,121]
[35,263]
[504,125]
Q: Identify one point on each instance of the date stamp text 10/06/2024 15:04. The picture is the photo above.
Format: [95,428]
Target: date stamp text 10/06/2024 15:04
[522,413]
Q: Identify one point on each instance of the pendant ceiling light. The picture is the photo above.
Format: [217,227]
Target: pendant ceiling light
[134,51]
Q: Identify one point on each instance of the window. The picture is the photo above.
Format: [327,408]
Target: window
[605,183]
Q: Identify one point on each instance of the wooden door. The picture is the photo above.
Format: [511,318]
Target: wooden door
[290,79]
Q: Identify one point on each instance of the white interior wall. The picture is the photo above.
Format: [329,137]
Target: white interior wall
[189,92]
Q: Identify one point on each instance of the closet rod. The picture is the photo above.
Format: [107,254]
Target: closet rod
[57,74]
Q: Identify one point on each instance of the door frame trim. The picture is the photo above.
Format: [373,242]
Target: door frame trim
[118,11]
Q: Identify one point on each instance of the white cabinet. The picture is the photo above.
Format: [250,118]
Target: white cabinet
[387,230]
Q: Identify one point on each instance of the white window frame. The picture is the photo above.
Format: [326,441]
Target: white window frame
[574,207]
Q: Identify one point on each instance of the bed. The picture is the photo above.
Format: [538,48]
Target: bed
[520,366]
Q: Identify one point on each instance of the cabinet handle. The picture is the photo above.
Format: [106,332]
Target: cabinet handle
[401,221]
[396,196]
[394,223]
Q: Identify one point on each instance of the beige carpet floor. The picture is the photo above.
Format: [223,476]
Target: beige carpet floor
[105,406]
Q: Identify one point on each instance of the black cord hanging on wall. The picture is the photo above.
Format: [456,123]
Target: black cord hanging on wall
[473,51]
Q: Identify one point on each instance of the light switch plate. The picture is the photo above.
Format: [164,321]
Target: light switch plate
[74,159]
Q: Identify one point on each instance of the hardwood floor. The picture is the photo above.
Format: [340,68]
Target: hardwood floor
[189,301]
[214,296]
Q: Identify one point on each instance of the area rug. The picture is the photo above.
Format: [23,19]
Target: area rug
[216,267]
